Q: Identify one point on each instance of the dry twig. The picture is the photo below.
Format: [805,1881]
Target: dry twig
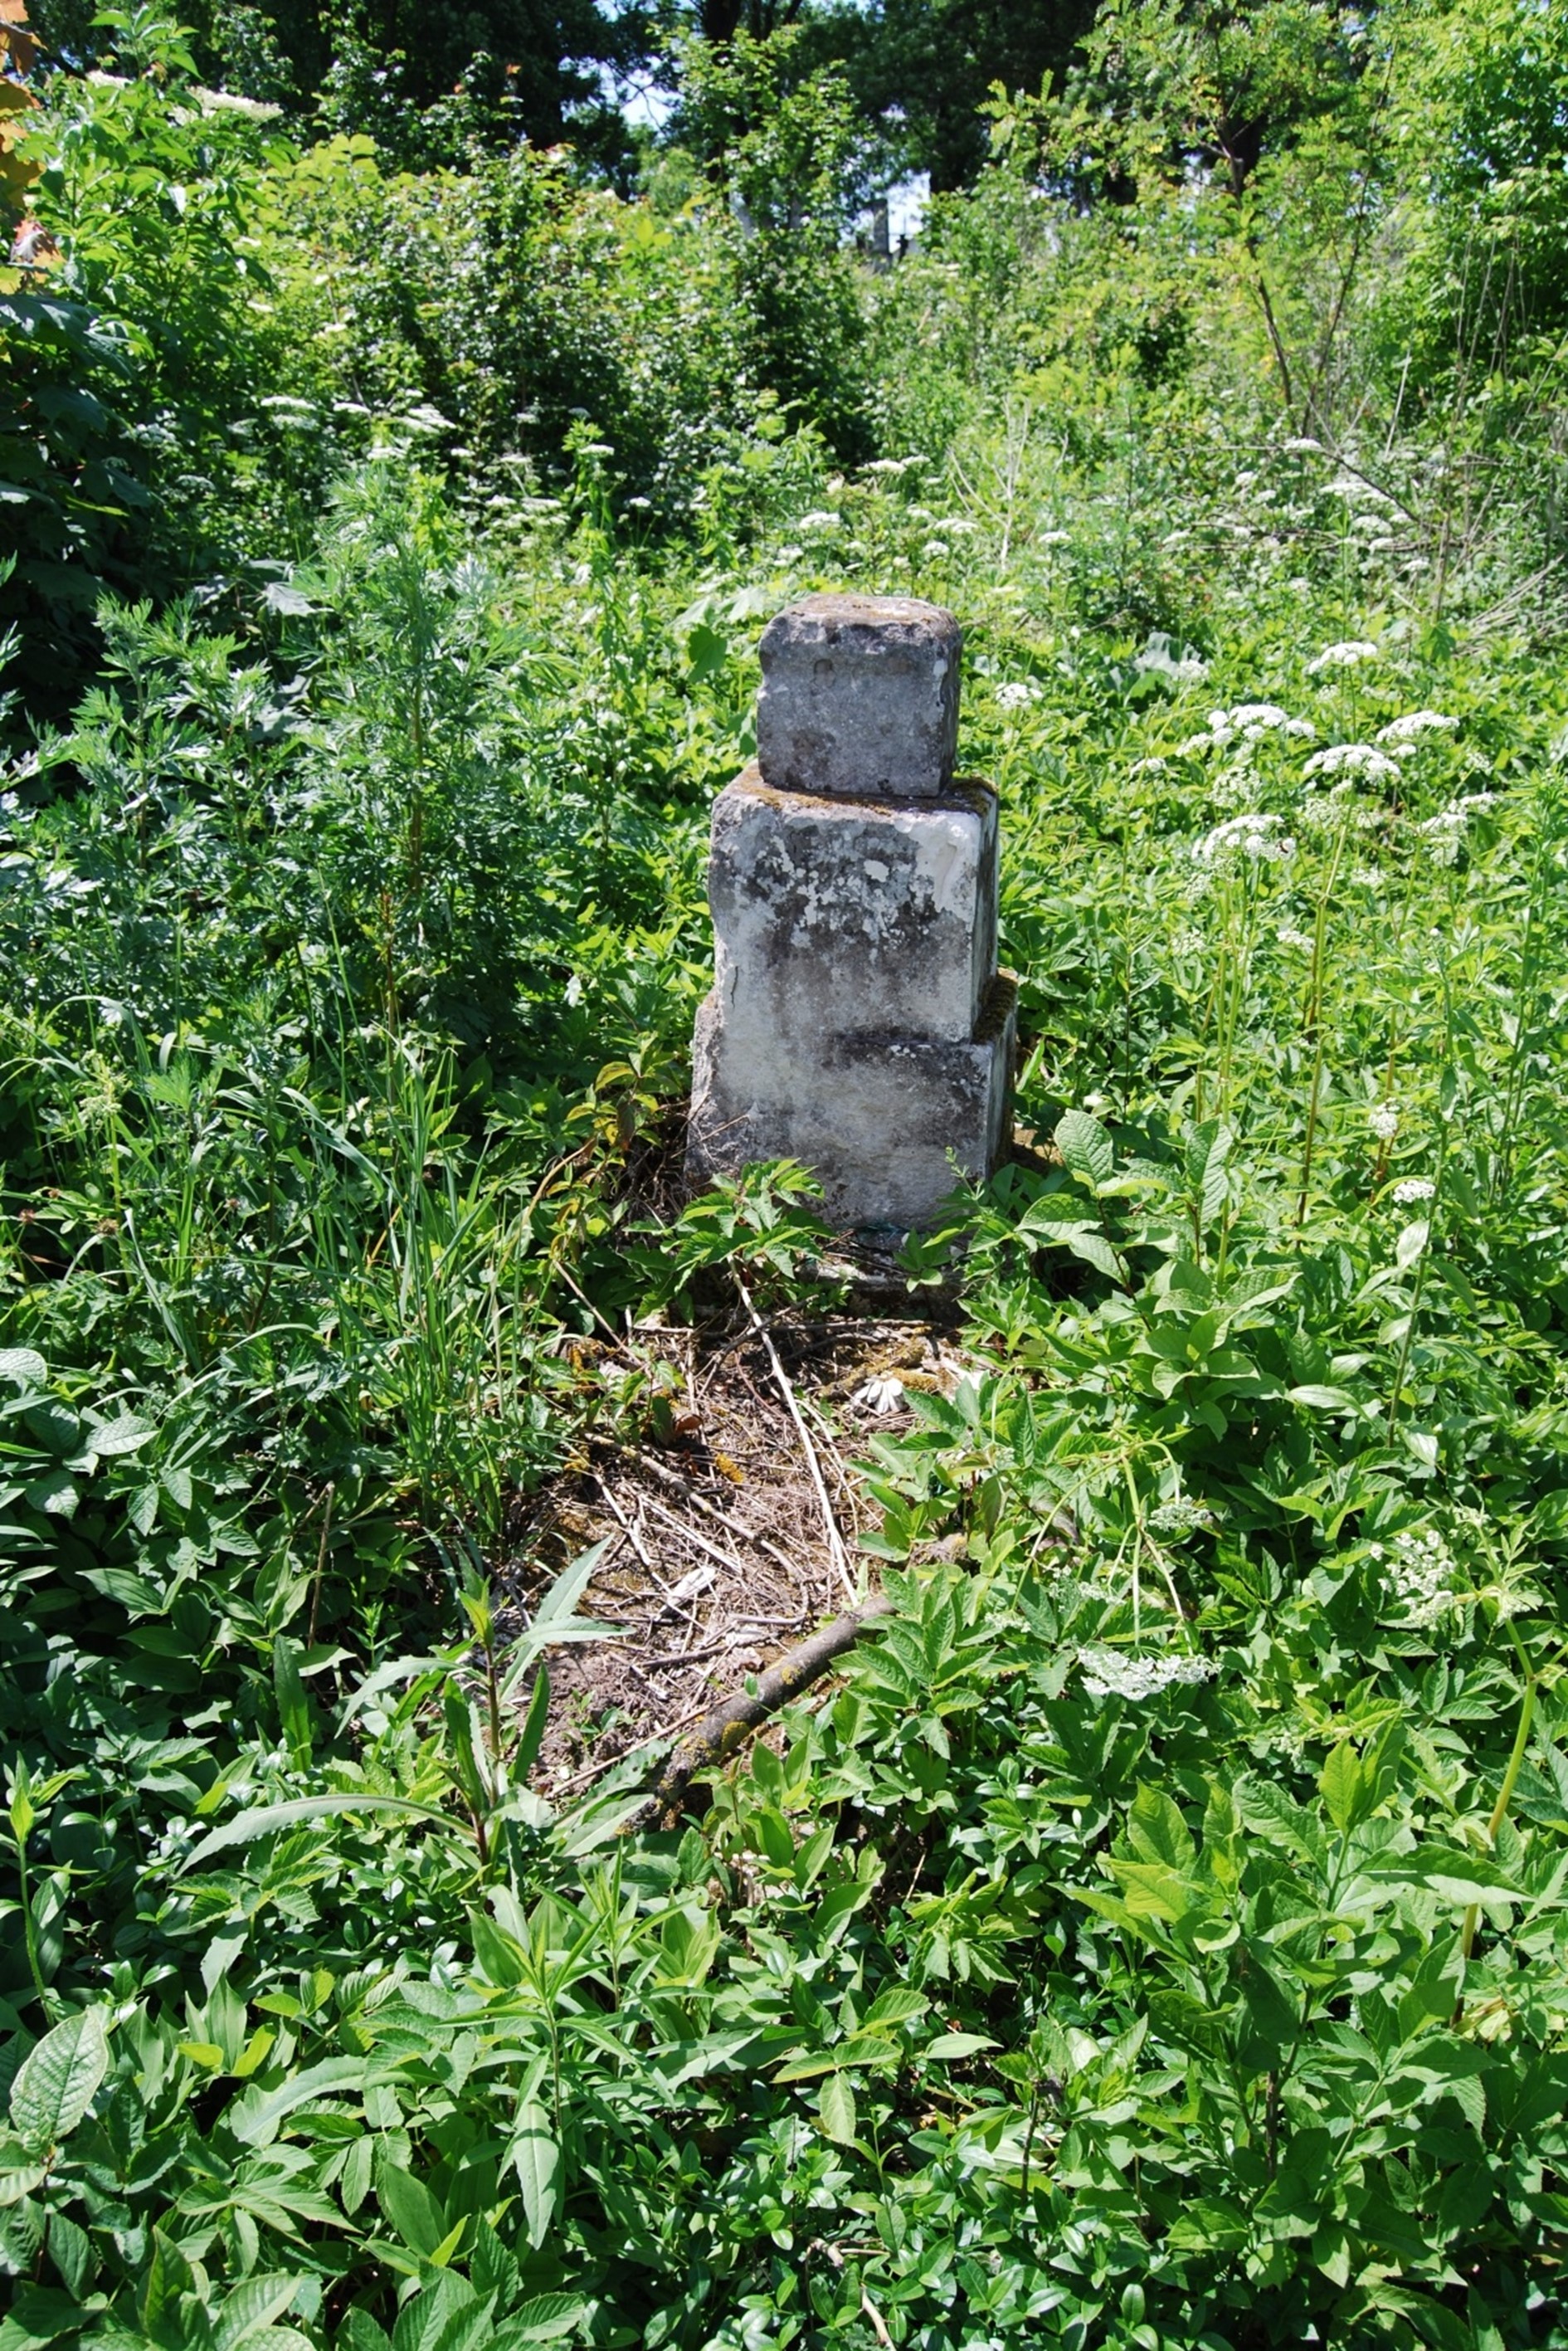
[837,1550]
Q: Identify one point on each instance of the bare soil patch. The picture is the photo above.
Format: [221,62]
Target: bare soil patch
[719,1558]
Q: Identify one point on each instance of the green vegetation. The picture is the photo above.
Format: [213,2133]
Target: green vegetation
[1158,1935]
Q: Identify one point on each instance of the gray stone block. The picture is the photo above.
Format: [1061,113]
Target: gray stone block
[871,917]
[860,698]
[889,1121]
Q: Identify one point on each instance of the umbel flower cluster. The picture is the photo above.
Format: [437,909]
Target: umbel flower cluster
[1418,1571]
[1251,835]
[1253,722]
[1107,1674]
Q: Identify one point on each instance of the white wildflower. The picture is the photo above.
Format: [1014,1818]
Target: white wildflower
[1251,835]
[821,519]
[1252,721]
[1414,723]
[1419,1572]
[1016,693]
[1259,715]
[1382,1118]
[1443,834]
[1107,1674]
[789,554]
[1300,447]
[959,524]
[1348,655]
[880,1395]
[1187,942]
[1413,1188]
[1181,1517]
[1289,936]
[934,550]
[1352,759]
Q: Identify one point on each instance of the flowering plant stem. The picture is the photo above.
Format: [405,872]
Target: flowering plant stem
[1504,1794]
[1313,1024]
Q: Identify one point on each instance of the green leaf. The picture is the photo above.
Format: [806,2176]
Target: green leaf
[534,1726]
[1411,1242]
[267,1818]
[873,2048]
[1321,1399]
[59,2079]
[836,2109]
[293,1705]
[255,2116]
[1093,1249]
[1085,1148]
[536,2159]
[956,2045]
[1344,1785]
[125,1435]
[22,1365]
[252,2305]
[55,1492]
[897,2005]
[544,2320]
[36,2314]
[407,2203]
[1157,1831]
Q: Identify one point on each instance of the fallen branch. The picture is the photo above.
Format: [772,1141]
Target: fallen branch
[721,1731]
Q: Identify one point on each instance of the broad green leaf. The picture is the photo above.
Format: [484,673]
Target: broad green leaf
[544,2320]
[1321,1399]
[873,2048]
[836,2109]
[897,2005]
[1157,1830]
[126,1435]
[1410,1243]
[22,1365]
[956,2045]
[252,2305]
[1094,1249]
[293,1705]
[56,1492]
[59,2079]
[1344,1786]
[18,2180]
[255,2116]
[1085,1148]
[407,2203]
[536,2159]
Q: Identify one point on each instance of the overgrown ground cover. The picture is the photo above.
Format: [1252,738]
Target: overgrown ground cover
[1156,1935]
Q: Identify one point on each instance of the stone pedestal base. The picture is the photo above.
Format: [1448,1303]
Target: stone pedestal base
[888,1122]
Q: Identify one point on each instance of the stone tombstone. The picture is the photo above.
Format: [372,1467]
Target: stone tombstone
[858,1020]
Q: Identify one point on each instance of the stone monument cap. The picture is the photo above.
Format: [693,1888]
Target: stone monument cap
[860,698]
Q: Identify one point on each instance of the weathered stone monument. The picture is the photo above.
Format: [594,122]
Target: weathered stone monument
[858,1020]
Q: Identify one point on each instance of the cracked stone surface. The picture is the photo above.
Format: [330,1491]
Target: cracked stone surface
[860,697]
[829,915]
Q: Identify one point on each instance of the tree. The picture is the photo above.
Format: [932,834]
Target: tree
[920,70]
